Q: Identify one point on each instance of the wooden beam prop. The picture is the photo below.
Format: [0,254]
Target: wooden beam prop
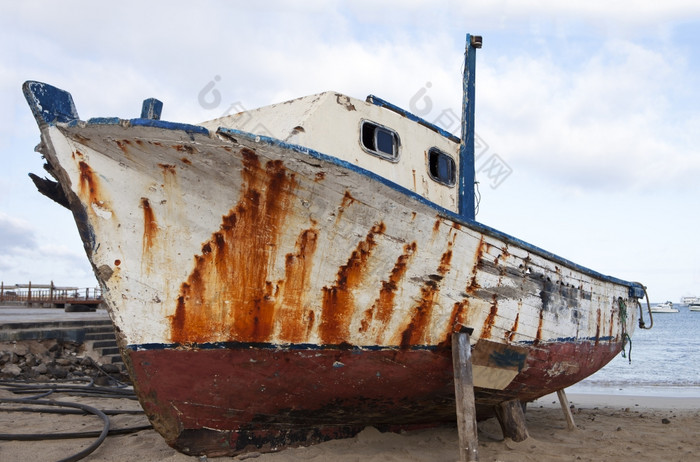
[464,397]
[567,410]
[512,419]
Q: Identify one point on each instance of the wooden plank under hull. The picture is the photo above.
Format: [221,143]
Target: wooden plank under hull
[228,399]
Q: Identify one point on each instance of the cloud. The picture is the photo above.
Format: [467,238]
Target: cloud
[15,235]
[25,256]
[609,121]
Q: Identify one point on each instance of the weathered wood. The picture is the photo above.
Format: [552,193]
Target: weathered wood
[567,410]
[464,397]
[512,419]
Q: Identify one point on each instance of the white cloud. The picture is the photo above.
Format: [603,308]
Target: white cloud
[16,235]
[608,122]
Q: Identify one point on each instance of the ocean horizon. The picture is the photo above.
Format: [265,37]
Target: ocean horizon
[661,361]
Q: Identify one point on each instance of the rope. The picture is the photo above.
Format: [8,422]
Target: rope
[623,312]
[626,338]
[641,311]
[477,196]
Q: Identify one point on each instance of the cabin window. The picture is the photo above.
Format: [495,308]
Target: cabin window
[380,141]
[441,167]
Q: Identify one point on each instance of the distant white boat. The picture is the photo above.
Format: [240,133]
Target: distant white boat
[690,300]
[666,307]
[694,306]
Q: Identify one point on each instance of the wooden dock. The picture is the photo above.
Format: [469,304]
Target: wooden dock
[49,295]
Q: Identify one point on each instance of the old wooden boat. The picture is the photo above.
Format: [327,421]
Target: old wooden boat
[295,283]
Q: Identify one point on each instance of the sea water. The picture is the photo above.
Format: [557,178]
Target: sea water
[665,360]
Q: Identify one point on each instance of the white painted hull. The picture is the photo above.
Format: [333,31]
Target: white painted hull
[153,203]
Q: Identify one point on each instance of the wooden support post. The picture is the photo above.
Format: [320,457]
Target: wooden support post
[567,410]
[464,397]
[512,419]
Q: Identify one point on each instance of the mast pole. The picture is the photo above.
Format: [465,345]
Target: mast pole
[466,148]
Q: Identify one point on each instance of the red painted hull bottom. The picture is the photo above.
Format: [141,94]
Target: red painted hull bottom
[225,401]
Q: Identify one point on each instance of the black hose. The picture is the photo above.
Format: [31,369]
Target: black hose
[95,444]
[89,389]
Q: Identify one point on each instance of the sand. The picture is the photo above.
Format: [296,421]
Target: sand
[610,428]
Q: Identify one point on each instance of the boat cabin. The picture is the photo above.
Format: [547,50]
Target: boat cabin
[371,134]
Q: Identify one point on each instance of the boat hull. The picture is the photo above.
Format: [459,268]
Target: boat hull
[228,399]
[265,295]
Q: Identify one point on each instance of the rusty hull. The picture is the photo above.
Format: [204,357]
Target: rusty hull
[238,398]
[267,296]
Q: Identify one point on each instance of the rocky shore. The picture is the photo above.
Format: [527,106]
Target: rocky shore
[46,360]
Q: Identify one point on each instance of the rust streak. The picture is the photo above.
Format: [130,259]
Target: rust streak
[345,202]
[186,161]
[383,307]
[538,338]
[123,145]
[150,227]
[167,168]
[347,199]
[295,322]
[458,315]
[415,333]
[228,296]
[491,318]
[89,186]
[597,326]
[473,285]
[184,148]
[510,335]
[338,300]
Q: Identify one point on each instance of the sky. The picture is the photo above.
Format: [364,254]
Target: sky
[587,112]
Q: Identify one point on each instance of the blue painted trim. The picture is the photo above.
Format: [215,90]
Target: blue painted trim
[98,121]
[467,175]
[176,126]
[315,347]
[636,291]
[392,107]
[470,223]
[190,129]
[151,109]
[50,105]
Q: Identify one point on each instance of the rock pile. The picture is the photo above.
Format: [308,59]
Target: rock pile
[45,360]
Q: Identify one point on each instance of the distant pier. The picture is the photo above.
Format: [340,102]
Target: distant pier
[49,296]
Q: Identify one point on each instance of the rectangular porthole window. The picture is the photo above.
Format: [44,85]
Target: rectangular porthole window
[380,141]
[441,167]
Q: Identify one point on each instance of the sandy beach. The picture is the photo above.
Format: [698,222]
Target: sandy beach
[609,427]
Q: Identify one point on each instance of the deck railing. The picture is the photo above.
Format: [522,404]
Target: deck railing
[48,294]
